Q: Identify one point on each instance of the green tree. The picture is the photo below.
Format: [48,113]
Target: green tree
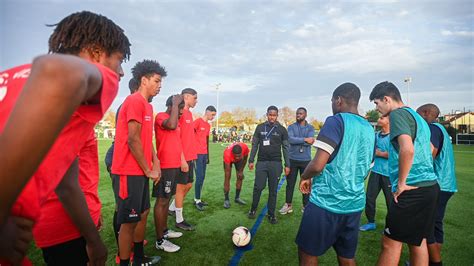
[372,115]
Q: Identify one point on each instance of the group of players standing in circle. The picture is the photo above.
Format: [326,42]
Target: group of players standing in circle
[52,195]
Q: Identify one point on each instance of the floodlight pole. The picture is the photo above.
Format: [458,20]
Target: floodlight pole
[217,105]
[408,81]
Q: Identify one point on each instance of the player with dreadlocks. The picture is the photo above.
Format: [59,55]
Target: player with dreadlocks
[47,115]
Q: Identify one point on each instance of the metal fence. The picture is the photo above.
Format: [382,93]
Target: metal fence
[464,139]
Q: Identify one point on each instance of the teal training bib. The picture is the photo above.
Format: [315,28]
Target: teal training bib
[340,187]
[444,164]
[422,168]
[381,164]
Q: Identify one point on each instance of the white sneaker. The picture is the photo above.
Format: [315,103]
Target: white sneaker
[167,246]
[172,234]
[286,209]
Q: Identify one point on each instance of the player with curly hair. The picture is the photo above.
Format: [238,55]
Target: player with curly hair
[134,161]
[51,107]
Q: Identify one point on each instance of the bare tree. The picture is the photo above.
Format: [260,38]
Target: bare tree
[246,116]
[286,116]
[109,117]
[226,119]
[315,123]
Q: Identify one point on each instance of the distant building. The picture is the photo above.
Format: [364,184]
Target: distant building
[462,122]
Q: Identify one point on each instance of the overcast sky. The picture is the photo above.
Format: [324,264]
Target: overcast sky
[285,53]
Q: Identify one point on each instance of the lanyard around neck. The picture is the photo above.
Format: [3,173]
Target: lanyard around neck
[268,134]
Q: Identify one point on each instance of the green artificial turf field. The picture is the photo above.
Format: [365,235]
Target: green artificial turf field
[211,244]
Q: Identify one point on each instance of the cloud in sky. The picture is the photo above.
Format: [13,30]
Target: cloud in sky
[459,33]
[283,53]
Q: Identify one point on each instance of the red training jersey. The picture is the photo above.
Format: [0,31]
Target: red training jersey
[134,108]
[202,129]
[66,146]
[229,156]
[188,140]
[168,143]
[54,216]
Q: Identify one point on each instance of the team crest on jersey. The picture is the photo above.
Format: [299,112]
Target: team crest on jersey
[147,118]
[3,85]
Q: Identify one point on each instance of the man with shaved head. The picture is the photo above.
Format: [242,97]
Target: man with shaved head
[334,179]
[443,159]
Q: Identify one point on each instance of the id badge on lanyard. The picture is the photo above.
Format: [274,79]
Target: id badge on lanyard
[266,141]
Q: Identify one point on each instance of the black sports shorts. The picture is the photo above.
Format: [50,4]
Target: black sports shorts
[132,195]
[412,218]
[186,177]
[166,187]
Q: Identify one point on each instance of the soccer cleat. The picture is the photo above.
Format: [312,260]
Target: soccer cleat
[172,213]
[252,214]
[367,227]
[226,204]
[184,226]
[286,209]
[204,203]
[240,201]
[272,219]
[146,261]
[170,234]
[199,206]
[167,246]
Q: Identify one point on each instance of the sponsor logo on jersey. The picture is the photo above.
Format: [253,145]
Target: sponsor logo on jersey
[133,214]
[22,74]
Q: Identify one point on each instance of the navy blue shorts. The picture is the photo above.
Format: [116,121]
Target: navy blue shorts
[437,235]
[321,229]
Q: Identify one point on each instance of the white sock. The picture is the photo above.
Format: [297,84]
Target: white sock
[172,206]
[179,215]
[197,200]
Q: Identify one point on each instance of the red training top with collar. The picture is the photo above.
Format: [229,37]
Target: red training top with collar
[168,143]
[202,129]
[54,226]
[188,140]
[134,108]
[66,146]
[229,156]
